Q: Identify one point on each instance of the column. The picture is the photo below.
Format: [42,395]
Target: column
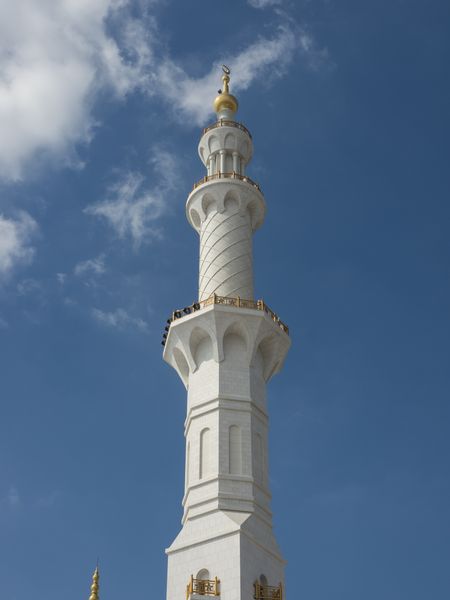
[222,161]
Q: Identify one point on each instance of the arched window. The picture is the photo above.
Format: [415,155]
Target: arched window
[235,450]
[258,458]
[188,452]
[205,453]
[203,574]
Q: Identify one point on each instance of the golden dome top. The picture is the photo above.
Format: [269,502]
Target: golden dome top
[95,585]
[225,100]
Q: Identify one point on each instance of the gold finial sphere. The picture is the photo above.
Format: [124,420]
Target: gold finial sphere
[225,100]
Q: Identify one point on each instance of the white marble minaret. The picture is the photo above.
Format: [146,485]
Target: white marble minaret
[225,347]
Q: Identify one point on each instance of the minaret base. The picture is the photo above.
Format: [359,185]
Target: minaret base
[237,548]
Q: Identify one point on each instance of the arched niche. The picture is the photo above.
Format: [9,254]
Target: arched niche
[195,218]
[258,458]
[268,347]
[234,450]
[205,462]
[182,365]
[200,345]
[203,351]
[244,149]
[230,141]
[235,343]
[213,144]
[231,202]
[209,204]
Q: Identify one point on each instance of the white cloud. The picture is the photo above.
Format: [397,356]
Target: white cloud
[3,323]
[263,3]
[120,319]
[61,278]
[131,209]
[15,241]
[93,266]
[54,59]
[29,286]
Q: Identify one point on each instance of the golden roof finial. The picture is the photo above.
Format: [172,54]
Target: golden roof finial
[225,101]
[95,585]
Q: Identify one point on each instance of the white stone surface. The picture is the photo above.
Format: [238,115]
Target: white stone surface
[227,140]
[224,356]
[225,212]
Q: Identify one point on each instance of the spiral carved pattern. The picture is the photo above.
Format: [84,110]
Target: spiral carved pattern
[226,254]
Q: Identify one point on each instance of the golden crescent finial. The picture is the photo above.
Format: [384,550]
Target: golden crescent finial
[226,79]
[225,101]
[95,585]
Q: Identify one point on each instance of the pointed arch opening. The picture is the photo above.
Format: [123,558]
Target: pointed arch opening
[234,450]
[205,463]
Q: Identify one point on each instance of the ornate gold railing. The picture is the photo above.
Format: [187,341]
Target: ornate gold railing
[227,123]
[268,592]
[225,301]
[203,587]
[232,175]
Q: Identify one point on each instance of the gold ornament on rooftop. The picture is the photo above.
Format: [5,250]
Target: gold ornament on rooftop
[225,100]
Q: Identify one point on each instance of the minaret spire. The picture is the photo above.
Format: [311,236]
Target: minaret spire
[95,585]
[225,104]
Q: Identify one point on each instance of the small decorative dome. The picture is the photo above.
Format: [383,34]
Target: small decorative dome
[225,104]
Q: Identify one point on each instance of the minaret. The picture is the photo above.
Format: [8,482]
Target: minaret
[225,348]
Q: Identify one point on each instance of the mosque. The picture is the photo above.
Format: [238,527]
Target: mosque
[225,347]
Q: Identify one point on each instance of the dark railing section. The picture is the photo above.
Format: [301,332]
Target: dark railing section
[225,301]
[227,123]
[232,175]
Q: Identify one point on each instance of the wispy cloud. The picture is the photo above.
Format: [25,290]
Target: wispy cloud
[16,237]
[29,286]
[61,278]
[263,3]
[120,319]
[11,499]
[132,208]
[190,97]
[92,266]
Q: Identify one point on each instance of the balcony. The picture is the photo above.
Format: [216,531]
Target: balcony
[203,587]
[268,592]
[224,301]
[227,123]
[232,175]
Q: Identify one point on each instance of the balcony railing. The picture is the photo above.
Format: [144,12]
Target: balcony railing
[232,175]
[203,587]
[227,123]
[225,301]
[268,592]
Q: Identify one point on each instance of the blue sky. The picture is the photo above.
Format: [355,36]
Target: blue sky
[101,107]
